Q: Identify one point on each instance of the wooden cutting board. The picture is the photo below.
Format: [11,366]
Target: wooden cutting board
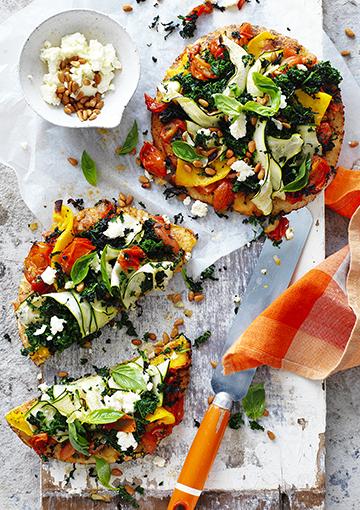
[251,472]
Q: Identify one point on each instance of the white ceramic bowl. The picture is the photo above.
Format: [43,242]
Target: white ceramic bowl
[94,25]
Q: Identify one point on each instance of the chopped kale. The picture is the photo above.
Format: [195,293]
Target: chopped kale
[202,339]
[190,282]
[42,423]
[236,421]
[125,322]
[322,76]
[103,371]
[146,405]
[250,185]
[208,274]
[254,425]
[178,219]
[173,111]
[296,114]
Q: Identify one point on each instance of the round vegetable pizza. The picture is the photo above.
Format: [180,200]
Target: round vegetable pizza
[248,120]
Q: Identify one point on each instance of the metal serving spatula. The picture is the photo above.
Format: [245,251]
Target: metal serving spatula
[232,388]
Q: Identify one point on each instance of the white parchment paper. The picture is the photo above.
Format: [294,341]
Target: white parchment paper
[43,172]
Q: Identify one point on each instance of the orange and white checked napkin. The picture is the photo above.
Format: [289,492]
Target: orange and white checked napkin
[313,328]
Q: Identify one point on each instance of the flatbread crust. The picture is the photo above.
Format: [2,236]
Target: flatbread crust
[242,202]
[108,453]
[83,221]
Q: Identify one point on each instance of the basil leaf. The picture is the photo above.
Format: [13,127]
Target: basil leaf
[103,269]
[185,151]
[81,267]
[102,416]
[103,473]
[77,437]
[254,401]
[267,86]
[302,179]
[228,105]
[88,167]
[129,377]
[131,140]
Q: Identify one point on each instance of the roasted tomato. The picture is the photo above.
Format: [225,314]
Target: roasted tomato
[40,442]
[35,264]
[279,231]
[163,232]
[130,258]
[177,409]
[152,160]
[320,170]
[324,133]
[201,69]
[79,247]
[240,4]
[154,106]
[223,196]
[125,424]
[206,190]
[171,129]
[216,49]
[67,451]
[246,32]
[289,51]
[154,433]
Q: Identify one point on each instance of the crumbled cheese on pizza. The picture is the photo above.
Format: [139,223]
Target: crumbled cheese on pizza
[199,209]
[283,102]
[122,400]
[289,234]
[126,440]
[238,127]
[242,169]
[40,331]
[56,325]
[48,276]
[159,461]
[116,228]
[187,201]
[278,124]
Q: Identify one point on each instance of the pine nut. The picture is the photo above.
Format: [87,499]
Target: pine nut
[80,287]
[257,168]
[130,490]
[187,168]
[261,174]
[62,373]
[75,63]
[271,435]
[85,115]
[79,114]
[199,297]
[266,413]
[86,82]
[197,163]
[174,332]
[92,103]
[152,336]
[248,154]
[136,341]
[214,364]
[68,109]
[191,295]
[188,313]
[253,121]
[127,8]
[99,104]
[165,337]
[353,143]
[229,153]
[79,95]
[129,200]
[349,32]
[65,100]
[346,53]
[146,185]
[203,103]
[252,146]
[75,86]
[122,203]
[116,472]
[230,161]
[179,322]
[83,100]
[72,161]
[122,197]
[286,125]
[210,171]
[174,298]
[93,116]
[97,78]
[60,90]
[143,179]
[61,77]
[82,60]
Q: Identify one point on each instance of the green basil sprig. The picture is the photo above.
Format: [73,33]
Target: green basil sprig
[254,401]
[77,437]
[186,152]
[103,269]
[103,416]
[103,472]
[129,377]
[88,167]
[302,178]
[228,105]
[81,267]
[131,140]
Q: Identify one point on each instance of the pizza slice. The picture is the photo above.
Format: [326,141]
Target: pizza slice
[118,414]
[89,267]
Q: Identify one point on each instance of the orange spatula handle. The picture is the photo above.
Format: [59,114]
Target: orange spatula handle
[202,454]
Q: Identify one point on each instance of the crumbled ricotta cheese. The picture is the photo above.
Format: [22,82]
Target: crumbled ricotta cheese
[283,102]
[126,440]
[187,256]
[40,331]
[122,400]
[238,127]
[48,276]
[56,325]
[237,298]
[289,234]
[302,67]
[242,169]
[159,461]
[278,124]
[199,209]
[148,175]
[116,228]
[99,58]
[95,264]
[187,201]
[69,285]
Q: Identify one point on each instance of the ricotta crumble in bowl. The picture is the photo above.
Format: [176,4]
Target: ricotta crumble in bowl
[80,72]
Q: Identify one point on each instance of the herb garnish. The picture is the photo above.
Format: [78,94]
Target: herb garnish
[236,421]
[103,472]
[88,167]
[254,401]
[202,339]
[131,141]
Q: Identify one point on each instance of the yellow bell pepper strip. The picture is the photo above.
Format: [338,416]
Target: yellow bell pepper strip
[194,178]
[317,103]
[161,415]
[16,419]
[173,71]
[63,219]
[257,44]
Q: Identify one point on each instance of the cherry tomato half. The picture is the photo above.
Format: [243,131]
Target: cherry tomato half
[154,106]
[130,258]
[320,170]
[171,129]
[163,232]
[279,232]
[79,247]
[223,196]
[216,49]
[35,264]
[152,160]
[201,69]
